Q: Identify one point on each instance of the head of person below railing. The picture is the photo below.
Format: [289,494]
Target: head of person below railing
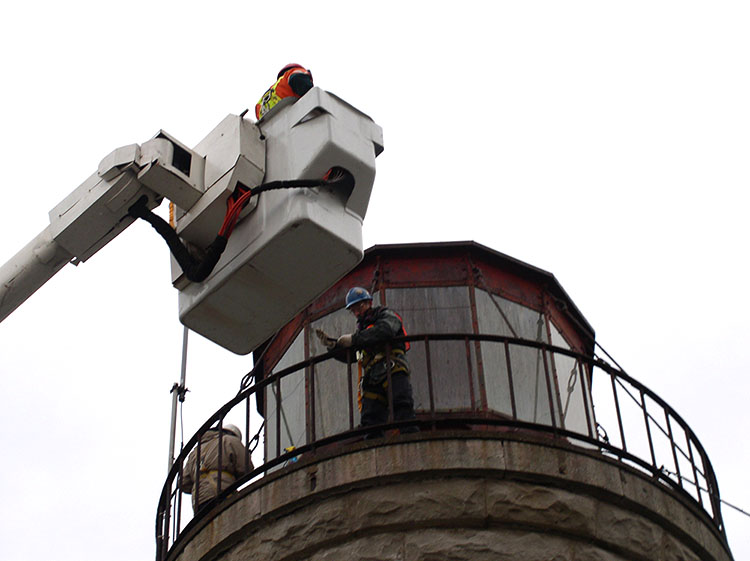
[459,381]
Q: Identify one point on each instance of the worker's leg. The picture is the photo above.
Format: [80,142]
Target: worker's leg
[403,401]
[374,412]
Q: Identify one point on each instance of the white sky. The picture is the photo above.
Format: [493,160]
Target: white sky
[607,143]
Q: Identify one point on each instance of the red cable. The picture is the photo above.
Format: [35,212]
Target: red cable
[234,207]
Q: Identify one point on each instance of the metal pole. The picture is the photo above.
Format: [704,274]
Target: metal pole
[178,392]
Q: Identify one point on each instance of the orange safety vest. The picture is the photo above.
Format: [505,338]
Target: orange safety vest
[277,92]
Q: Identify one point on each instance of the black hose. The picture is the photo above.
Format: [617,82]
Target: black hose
[198,270]
[195,270]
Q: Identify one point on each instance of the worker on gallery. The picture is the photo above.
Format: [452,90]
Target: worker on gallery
[377,353]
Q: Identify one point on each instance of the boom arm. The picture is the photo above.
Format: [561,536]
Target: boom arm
[97,211]
[29,269]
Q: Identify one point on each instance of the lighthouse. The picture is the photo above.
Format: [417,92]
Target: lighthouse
[532,444]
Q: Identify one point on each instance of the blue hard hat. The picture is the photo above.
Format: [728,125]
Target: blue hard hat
[356,294]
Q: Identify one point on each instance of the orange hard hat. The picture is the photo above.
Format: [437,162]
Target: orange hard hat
[289,67]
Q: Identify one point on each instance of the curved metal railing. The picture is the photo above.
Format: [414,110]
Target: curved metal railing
[621,419]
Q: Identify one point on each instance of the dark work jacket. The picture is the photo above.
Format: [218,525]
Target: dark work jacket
[374,331]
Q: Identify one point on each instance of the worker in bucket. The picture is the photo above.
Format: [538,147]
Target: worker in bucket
[293,81]
[373,339]
[214,474]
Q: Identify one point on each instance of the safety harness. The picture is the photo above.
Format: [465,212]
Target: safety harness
[367,361]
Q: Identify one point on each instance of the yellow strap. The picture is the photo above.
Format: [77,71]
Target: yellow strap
[370,395]
[205,474]
[359,385]
[380,356]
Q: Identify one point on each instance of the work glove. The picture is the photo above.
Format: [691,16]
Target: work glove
[327,341]
[345,341]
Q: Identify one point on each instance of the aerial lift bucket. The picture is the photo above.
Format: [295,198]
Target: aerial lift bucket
[290,245]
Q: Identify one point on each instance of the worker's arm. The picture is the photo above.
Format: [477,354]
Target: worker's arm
[237,463]
[300,82]
[344,354]
[332,344]
[188,472]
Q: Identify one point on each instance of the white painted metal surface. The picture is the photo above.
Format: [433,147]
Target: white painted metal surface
[293,244]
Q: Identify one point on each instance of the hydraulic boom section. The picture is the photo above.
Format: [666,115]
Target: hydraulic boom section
[93,214]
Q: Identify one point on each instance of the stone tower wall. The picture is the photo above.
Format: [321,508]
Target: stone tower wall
[455,496]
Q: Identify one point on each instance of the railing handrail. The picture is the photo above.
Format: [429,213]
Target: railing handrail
[616,374]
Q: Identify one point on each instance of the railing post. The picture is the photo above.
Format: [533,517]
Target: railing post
[511,387]
[162,540]
[351,389]
[197,474]
[388,362]
[175,514]
[712,487]
[247,433]
[648,430]
[674,448]
[695,470]
[470,374]
[277,392]
[430,387]
[617,408]
[549,392]
[310,374]
[179,499]
[219,463]
[585,389]
[164,528]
